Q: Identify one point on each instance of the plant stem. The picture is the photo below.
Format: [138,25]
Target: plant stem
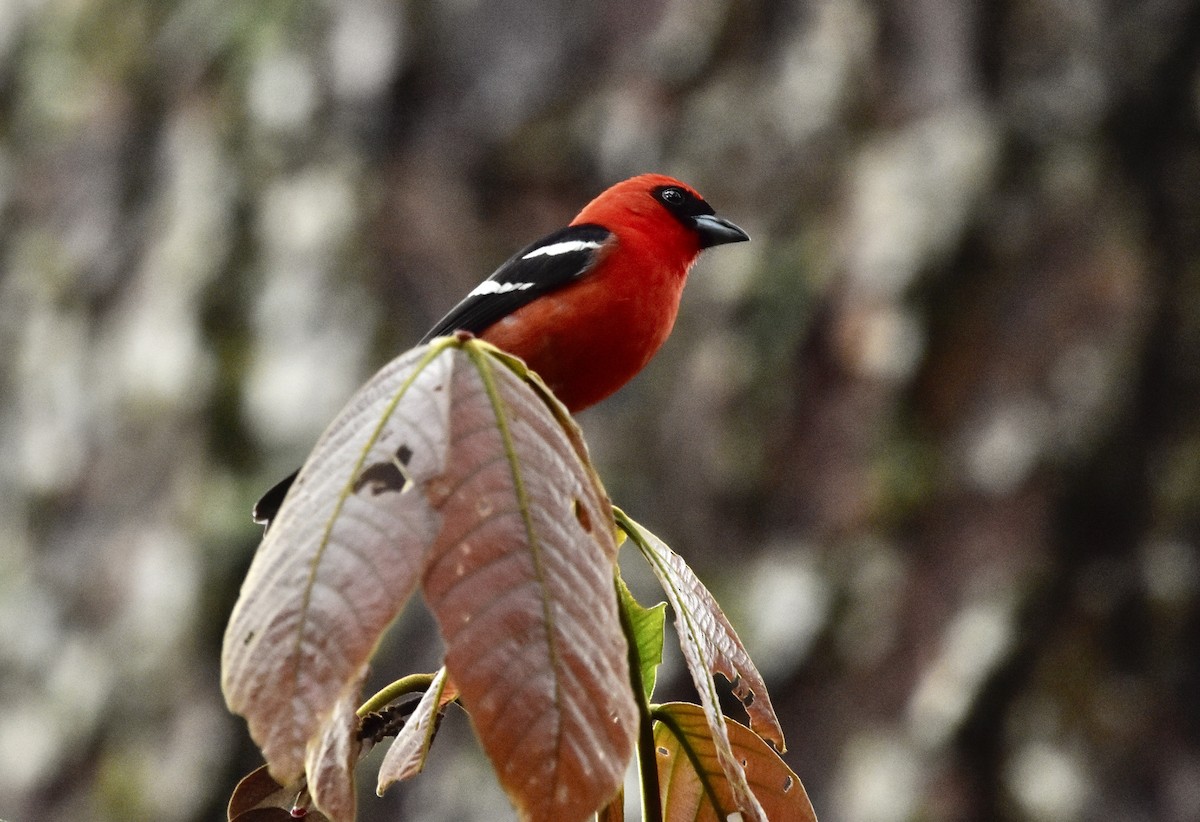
[647,764]
[411,684]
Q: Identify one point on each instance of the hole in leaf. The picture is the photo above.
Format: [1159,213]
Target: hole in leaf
[581,514]
[787,783]
[663,751]
[381,477]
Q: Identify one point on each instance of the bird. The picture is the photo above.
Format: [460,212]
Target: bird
[586,307]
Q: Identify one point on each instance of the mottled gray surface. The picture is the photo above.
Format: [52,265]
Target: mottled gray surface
[932,437]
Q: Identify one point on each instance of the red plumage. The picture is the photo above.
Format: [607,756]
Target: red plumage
[589,338]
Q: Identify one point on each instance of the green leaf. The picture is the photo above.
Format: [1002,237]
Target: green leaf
[648,626]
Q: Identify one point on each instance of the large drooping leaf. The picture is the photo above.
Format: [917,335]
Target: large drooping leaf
[692,783]
[520,580]
[340,560]
[710,645]
[456,466]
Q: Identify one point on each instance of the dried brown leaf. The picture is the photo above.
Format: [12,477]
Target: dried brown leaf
[340,560]
[692,782]
[710,645]
[259,798]
[521,582]
[455,464]
[701,622]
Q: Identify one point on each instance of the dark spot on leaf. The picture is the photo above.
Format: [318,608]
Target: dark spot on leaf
[249,638]
[787,783]
[404,454]
[663,751]
[581,514]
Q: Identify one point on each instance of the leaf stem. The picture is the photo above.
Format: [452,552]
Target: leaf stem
[647,762]
[411,684]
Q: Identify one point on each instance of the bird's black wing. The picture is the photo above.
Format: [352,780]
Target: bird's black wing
[544,266]
[541,267]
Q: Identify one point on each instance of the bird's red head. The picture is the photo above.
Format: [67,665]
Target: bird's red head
[670,211]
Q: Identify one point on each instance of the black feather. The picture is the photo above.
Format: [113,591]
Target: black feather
[542,274]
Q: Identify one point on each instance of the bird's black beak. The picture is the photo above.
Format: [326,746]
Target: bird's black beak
[714,230]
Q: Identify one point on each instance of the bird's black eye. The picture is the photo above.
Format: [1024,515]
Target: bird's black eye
[672,196]
[684,205]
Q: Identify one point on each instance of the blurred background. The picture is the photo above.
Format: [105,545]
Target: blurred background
[933,438]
